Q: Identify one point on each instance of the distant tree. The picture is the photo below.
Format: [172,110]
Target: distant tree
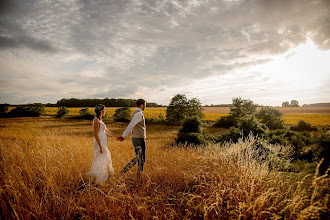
[242,107]
[181,108]
[62,111]
[238,110]
[122,114]
[285,104]
[294,103]
[271,117]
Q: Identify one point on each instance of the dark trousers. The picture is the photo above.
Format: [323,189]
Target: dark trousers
[140,155]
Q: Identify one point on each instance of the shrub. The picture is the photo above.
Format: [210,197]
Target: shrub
[62,111]
[225,122]
[250,124]
[31,110]
[191,133]
[181,108]
[85,114]
[271,117]
[232,135]
[122,114]
[3,108]
[303,126]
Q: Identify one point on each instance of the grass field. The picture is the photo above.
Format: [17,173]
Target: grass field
[44,161]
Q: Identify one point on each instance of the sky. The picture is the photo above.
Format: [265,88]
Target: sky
[213,50]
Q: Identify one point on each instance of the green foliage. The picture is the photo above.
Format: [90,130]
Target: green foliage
[191,132]
[62,112]
[85,114]
[3,108]
[249,124]
[242,107]
[303,126]
[122,114]
[181,108]
[225,122]
[232,135]
[271,117]
[293,103]
[160,120]
[30,110]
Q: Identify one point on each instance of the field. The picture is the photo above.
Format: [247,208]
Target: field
[313,115]
[44,161]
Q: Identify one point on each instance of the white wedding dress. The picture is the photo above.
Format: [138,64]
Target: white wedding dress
[102,163]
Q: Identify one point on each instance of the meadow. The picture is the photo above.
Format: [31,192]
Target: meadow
[44,161]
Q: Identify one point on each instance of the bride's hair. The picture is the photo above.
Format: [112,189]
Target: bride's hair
[98,109]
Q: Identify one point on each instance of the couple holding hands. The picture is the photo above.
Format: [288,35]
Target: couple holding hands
[102,163]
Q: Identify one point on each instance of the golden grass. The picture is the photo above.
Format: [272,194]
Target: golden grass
[44,161]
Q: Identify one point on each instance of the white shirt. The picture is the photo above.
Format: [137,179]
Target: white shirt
[136,119]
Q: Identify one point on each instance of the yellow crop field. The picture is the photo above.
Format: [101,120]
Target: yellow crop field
[214,113]
[313,119]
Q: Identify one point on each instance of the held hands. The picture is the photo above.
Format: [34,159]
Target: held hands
[120,138]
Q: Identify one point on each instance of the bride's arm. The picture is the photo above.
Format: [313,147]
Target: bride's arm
[108,132]
[96,131]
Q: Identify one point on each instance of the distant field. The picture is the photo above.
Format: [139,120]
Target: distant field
[291,116]
[291,110]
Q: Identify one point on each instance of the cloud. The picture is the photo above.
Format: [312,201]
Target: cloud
[119,48]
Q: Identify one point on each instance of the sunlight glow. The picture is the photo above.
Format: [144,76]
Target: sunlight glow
[303,67]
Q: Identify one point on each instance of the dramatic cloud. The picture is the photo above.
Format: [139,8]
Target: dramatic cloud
[154,49]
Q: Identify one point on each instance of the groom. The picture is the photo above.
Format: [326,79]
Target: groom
[137,127]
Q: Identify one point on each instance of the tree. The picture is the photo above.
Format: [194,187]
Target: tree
[122,114]
[294,103]
[181,108]
[271,117]
[242,107]
[285,104]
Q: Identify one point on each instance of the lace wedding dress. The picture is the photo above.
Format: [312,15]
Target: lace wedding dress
[102,163]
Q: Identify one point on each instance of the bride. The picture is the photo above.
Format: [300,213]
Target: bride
[102,163]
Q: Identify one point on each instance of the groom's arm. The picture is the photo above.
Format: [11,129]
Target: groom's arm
[136,119]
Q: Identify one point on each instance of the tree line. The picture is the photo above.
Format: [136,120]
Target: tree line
[73,102]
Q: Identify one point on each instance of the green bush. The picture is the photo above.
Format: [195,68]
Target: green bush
[85,114]
[30,110]
[225,122]
[62,112]
[232,135]
[303,126]
[191,132]
[122,114]
[271,117]
[3,108]
[249,124]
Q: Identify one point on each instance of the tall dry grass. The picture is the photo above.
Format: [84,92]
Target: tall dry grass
[44,161]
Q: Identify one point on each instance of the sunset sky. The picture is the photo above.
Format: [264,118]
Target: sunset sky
[268,51]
